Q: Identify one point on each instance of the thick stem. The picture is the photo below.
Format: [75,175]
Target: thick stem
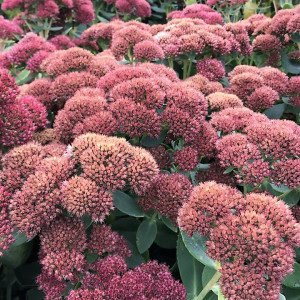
[189,68]
[245,189]
[171,64]
[185,64]
[283,195]
[209,286]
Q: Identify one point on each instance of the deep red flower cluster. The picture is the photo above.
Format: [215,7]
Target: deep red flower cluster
[20,117]
[251,237]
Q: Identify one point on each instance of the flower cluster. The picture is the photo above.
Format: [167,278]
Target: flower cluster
[140,8]
[8,29]
[20,117]
[251,237]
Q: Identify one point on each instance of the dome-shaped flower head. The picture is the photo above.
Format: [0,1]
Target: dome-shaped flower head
[40,89]
[211,68]
[148,50]
[9,29]
[262,98]
[104,241]
[293,24]
[135,119]
[81,196]
[86,294]
[275,138]
[187,158]
[166,194]
[286,172]
[52,288]
[266,43]
[8,88]
[235,119]
[101,65]
[142,168]
[219,101]
[126,38]
[278,213]
[84,11]
[6,237]
[33,64]
[36,203]
[240,69]
[45,136]
[64,61]
[274,78]
[65,85]
[279,22]
[235,150]
[161,156]
[47,9]
[62,42]
[208,203]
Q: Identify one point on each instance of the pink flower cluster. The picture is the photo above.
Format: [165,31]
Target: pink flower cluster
[8,29]
[198,11]
[20,117]
[252,237]
[259,88]
[140,8]
[83,9]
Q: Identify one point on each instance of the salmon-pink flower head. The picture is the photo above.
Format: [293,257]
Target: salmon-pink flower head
[280,20]
[240,69]
[161,70]
[211,68]
[293,24]
[141,170]
[275,138]
[47,9]
[36,109]
[266,43]
[203,85]
[40,89]
[150,92]
[149,281]
[135,119]
[219,101]
[120,75]
[161,156]
[126,38]
[209,202]
[36,203]
[274,78]
[9,29]
[65,85]
[205,140]
[6,237]
[81,196]
[62,42]
[27,46]
[55,149]
[62,234]
[86,294]
[201,11]
[52,288]
[166,194]
[103,240]
[18,125]
[235,119]
[33,63]
[102,65]
[8,88]
[148,50]
[278,213]
[64,61]
[215,173]
[186,158]
[287,172]
[101,123]
[45,136]
[262,98]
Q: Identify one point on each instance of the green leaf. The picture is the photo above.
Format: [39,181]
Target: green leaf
[281,189]
[197,247]
[136,258]
[289,65]
[203,166]
[91,257]
[281,297]
[26,274]
[296,37]
[127,204]
[22,76]
[207,274]
[148,141]
[228,170]
[290,294]
[146,235]
[292,198]
[293,280]
[276,111]
[190,269]
[20,238]
[165,237]
[169,223]
[87,220]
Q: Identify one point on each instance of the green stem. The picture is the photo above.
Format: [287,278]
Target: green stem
[245,189]
[189,68]
[171,64]
[154,216]
[185,64]
[209,286]
[283,195]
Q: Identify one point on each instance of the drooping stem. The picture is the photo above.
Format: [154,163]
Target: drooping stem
[209,286]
